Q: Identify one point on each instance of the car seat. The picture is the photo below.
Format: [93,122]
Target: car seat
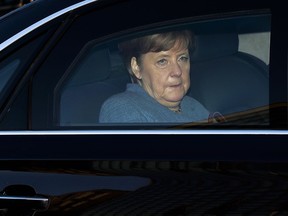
[97,76]
[225,80]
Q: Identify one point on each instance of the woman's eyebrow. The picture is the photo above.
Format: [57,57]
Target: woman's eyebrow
[167,53]
[163,55]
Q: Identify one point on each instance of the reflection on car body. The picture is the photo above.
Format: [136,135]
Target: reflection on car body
[59,63]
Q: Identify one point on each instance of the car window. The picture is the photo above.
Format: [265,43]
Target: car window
[228,76]
[256,44]
[229,72]
[15,62]
[7,71]
[12,64]
[97,74]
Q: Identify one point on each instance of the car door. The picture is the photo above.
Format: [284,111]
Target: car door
[57,155]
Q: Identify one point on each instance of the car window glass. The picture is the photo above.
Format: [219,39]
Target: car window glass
[257,44]
[98,74]
[229,73]
[14,63]
[7,71]
[17,60]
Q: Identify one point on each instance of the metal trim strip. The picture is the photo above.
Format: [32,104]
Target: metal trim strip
[41,22]
[147,132]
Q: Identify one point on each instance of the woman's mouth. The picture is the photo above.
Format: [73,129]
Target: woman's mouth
[175,85]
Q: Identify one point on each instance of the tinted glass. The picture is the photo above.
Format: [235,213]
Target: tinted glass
[229,74]
[14,64]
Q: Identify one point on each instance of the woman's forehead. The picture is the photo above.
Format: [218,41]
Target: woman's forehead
[178,44]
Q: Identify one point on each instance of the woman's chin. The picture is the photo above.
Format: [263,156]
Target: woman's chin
[175,98]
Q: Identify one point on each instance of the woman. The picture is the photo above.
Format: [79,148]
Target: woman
[159,65]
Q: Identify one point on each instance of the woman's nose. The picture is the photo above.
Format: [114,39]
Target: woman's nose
[176,69]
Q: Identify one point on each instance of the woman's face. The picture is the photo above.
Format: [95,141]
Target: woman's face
[164,75]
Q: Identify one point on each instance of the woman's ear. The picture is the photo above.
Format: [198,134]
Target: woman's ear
[135,68]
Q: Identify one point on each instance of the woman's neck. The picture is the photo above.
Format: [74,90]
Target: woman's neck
[176,109]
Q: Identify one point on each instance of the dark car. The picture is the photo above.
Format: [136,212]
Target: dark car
[59,61]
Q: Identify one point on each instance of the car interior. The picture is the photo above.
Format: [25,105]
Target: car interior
[227,80]
[224,77]
[81,100]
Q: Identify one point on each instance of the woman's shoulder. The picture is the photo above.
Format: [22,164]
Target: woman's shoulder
[194,104]
[122,98]
[190,100]
[122,107]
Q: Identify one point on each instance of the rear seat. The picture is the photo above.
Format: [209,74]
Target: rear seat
[224,79]
[101,77]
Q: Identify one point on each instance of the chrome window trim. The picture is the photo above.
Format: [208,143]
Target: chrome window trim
[19,198]
[147,132]
[41,22]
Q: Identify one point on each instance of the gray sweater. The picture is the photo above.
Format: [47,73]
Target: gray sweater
[136,106]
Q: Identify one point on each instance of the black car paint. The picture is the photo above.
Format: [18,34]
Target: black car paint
[142,173]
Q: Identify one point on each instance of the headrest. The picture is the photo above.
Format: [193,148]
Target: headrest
[210,46]
[91,67]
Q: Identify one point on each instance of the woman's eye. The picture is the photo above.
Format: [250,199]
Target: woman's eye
[184,58]
[162,62]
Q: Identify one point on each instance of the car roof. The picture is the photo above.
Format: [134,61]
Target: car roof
[29,14]
[39,10]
